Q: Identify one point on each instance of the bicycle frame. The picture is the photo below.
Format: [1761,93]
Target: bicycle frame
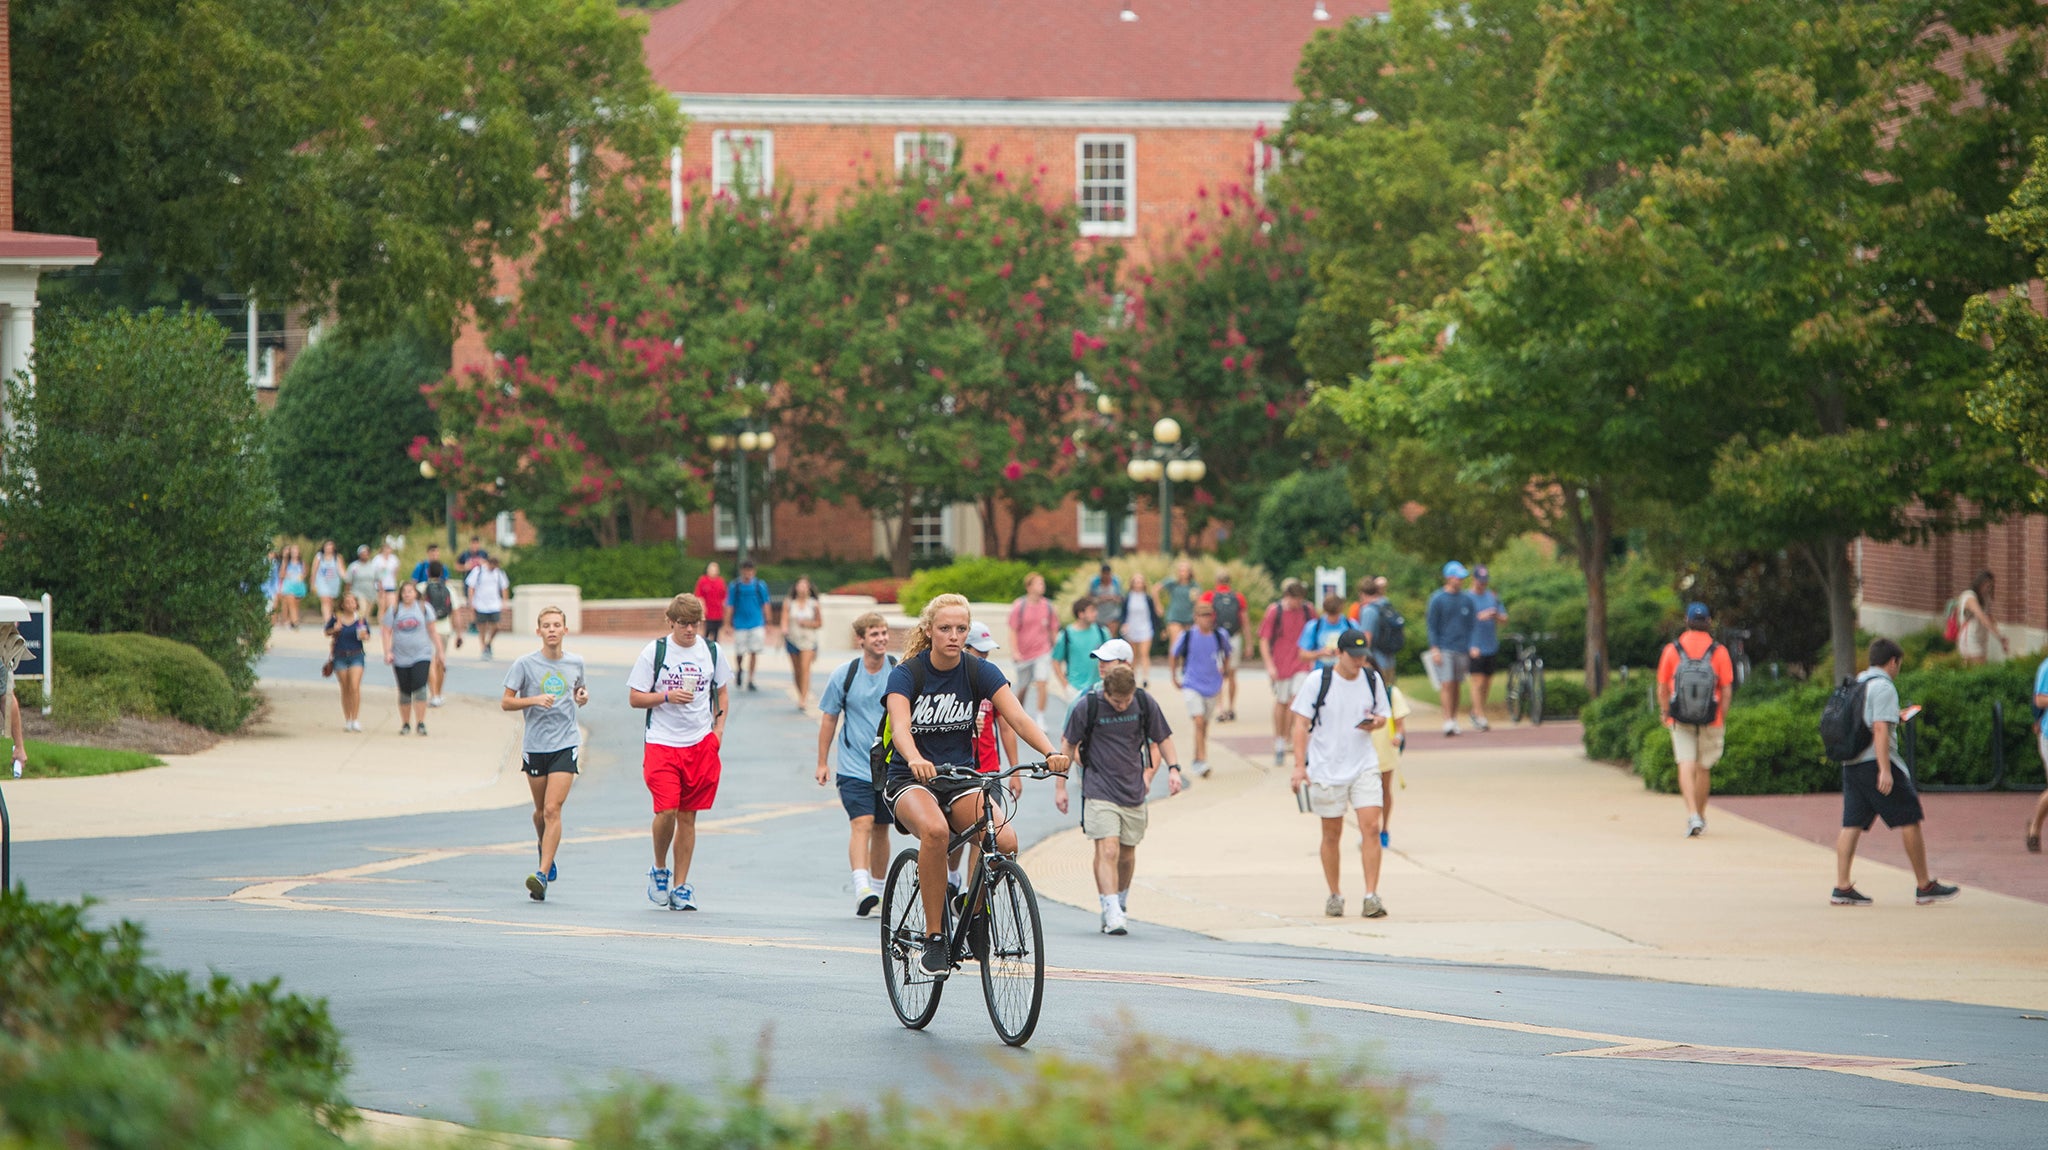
[994,798]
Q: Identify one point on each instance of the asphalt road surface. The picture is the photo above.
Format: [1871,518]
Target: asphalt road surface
[454,989]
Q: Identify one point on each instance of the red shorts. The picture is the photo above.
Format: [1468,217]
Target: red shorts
[681,778]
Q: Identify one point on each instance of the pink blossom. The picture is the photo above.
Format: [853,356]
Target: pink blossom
[1230,363]
[1013,470]
[1272,411]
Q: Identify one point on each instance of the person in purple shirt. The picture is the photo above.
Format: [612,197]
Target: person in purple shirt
[1199,661]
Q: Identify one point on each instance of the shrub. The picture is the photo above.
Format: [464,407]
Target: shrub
[1563,698]
[1616,722]
[883,590]
[137,489]
[981,580]
[627,571]
[102,677]
[99,1048]
[1772,749]
[346,417]
[1248,579]
[1308,509]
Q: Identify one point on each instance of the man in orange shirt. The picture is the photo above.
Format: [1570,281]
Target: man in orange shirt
[1695,680]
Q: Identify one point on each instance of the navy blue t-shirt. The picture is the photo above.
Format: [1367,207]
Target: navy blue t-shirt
[942,719]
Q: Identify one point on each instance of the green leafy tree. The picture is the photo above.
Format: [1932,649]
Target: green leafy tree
[381,159]
[138,492]
[2013,398]
[346,418]
[1305,511]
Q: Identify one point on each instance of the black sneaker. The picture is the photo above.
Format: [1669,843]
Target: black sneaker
[1935,891]
[420,730]
[406,729]
[1849,896]
[753,686]
[936,961]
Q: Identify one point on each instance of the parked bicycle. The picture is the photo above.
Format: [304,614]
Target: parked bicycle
[994,921]
[1737,655]
[1525,680]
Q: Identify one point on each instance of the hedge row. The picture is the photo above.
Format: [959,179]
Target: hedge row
[1773,731]
[103,677]
[659,570]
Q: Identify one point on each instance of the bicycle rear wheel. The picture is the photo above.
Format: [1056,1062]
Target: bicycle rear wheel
[1536,695]
[1517,693]
[1013,968]
[913,994]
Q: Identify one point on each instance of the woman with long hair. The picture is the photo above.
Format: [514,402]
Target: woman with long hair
[932,703]
[291,586]
[1180,593]
[412,645]
[346,634]
[327,571]
[802,617]
[1141,624]
[1979,628]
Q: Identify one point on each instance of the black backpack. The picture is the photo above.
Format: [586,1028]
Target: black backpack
[439,599]
[919,667]
[1692,688]
[846,684]
[1843,733]
[1389,629]
[1229,609]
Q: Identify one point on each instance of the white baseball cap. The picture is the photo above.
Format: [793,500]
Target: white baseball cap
[981,638]
[1115,649]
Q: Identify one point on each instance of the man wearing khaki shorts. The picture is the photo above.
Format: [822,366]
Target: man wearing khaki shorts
[1110,733]
[1695,744]
[1336,766]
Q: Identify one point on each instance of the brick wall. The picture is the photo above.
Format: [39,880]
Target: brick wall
[1920,578]
[6,122]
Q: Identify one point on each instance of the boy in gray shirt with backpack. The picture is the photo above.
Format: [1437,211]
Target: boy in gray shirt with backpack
[1113,731]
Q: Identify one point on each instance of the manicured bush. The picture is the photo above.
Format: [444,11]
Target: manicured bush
[1303,511]
[137,489]
[1563,698]
[1616,722]
[102,677]
[981,580]
[627,571]
[99,1048]
[1773,748]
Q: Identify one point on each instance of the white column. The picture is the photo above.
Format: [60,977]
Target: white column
[675,188]
[252,339]
[17,348]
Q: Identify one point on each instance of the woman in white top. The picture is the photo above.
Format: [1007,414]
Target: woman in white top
[1141,624]
[1979,628]
[802,617]
[386,567]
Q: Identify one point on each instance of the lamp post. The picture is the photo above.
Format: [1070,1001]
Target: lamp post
[447,503]
[744,439]
[1167,460]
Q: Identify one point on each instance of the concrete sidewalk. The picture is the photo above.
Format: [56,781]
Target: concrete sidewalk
[1537,856]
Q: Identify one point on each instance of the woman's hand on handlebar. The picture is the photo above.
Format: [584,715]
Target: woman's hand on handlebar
[1057,763]
[924,770]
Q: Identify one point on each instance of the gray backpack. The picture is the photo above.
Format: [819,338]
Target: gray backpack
[1693,687]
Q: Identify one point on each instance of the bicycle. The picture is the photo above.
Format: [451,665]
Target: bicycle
[1001,933]
[1738,655]
[1525,680]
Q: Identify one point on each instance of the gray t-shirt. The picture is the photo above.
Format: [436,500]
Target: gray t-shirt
[547,728]
[412,634]
[1880,705]
[1114,755]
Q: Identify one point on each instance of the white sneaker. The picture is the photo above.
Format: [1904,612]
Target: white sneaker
[1450,728]
[1115,922]
[434,702]
[1201,769]
[1695,826]
[657,886]
[1479,724]
[868,896]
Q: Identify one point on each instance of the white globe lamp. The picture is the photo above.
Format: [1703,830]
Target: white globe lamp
[1166,431]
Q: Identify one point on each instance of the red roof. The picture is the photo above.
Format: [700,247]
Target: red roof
[990,49]
[28,247]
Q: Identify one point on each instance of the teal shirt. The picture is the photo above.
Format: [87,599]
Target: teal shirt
[1075,647]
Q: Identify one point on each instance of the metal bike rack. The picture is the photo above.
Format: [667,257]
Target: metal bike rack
[1909,749]
[6,848]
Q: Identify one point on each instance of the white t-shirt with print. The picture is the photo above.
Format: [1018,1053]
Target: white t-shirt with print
[1338,752]
[386,567]
[487,587]
[681,724]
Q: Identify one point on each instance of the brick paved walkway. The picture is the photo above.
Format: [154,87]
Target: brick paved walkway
[1974,840]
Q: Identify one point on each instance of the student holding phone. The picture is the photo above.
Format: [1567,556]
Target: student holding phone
[1336,766]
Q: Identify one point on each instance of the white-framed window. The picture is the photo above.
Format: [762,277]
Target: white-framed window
[1094,529]
[926,152]
[743,159]
[1106,184]
[931,533]
[724,521]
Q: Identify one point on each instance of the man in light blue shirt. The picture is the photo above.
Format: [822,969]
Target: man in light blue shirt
[1449,658]
[747,600]
[1487,615]
[852,716]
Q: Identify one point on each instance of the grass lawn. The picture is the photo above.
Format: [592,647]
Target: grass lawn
[57,761]
[1421,694]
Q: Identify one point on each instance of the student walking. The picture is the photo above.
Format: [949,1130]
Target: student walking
[386,566]
[747,605]
[994,742]
[2040,701]
[1230,612]
[362,580]
[1336,766]
[1112,734]
[1142,624]
[434,590]
[1382,623]
[1280,646]
[419,569]
[1319,636]
[1874,783]
[711,589]
[1488,613]
[1033,623]
[547,686]
[488,590]
[291,586]
[1695,683]
[1978,628]
[1390,743]
[327,575]
[851,713]
[803,616]
[685,698]
[411,646]
[1108,592]
[347,632]
[1199,663]
[1076,640]
[1178,594]
[1449,659]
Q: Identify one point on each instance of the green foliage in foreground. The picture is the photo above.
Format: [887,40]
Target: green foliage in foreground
[98,1048]
[981,580]
[57,761]
[103,677]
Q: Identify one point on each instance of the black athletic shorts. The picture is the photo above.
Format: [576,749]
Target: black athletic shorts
[1862,804]
[712,627]
[540,764]
[1486,664]
[947,789]
[412,682]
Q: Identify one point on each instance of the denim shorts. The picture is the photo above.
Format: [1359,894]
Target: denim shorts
[861,798]
[344,662]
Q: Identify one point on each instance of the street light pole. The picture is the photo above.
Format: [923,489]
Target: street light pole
[1168,462]
[740,530]
[744,440]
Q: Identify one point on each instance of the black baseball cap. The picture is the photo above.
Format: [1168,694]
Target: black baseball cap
[1354,642]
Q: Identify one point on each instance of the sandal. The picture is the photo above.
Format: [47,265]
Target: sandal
[2034,842]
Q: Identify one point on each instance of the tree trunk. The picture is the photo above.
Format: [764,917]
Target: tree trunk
[899,539]
[991,538]
[1593,533]
[605,526]
[1829,558]
[636,520]
[1017,514]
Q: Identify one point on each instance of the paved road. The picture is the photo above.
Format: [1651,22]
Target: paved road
[452,986]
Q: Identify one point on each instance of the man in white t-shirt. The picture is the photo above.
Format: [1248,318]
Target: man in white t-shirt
[681,681]
[1335,765]
[488,589]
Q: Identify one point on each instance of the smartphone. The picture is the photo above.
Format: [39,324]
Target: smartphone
[1370,723]
[1907,715]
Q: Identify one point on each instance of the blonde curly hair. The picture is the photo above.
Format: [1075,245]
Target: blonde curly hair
[920,639]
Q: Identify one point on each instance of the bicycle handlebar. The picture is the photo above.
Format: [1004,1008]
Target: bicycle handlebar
[1037,770]
[1522,637]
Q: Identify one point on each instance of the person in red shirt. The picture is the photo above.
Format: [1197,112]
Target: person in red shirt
[1696,722]
[711,589]
[1230,612]
[1280,643]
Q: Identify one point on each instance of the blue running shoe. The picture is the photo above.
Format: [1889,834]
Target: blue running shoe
[553,872]
[657,886]
[537,886]
[1383,840]
[683,897]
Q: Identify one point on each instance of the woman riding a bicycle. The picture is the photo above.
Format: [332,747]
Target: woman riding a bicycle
[932,700]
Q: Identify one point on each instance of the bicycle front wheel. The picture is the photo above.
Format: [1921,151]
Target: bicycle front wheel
[1013,966]
[1517,693]
[913,994]
[1536,695]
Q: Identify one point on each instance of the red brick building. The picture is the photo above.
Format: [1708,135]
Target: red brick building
[1131,107]
[1904,587]
[24,256]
